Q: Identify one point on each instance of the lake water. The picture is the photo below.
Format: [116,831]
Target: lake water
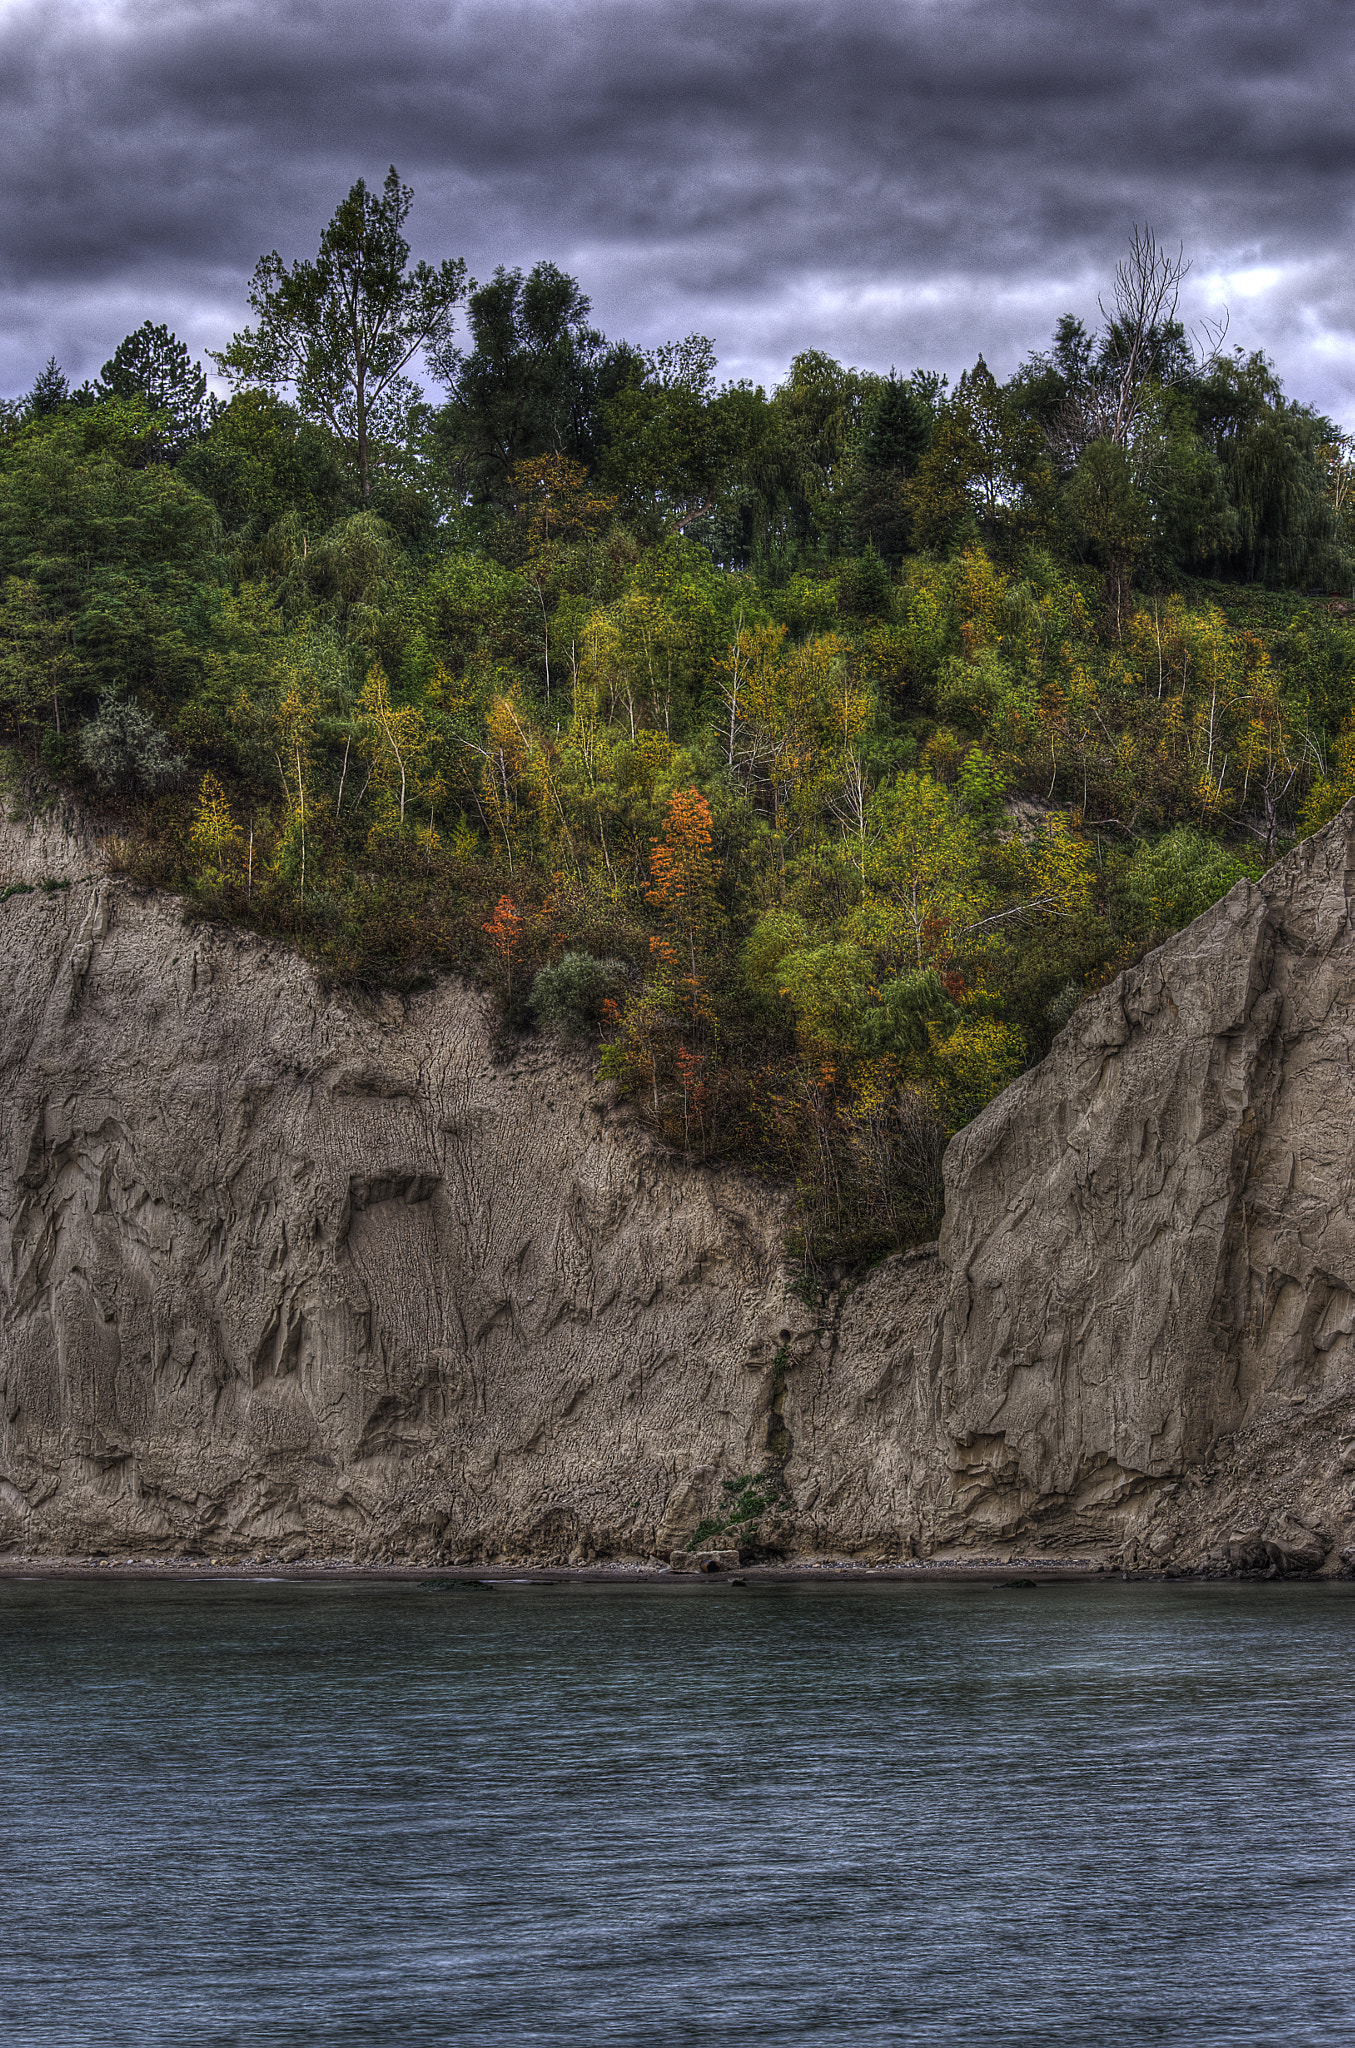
[297,1812]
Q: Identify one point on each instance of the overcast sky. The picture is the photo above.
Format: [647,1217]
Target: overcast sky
[907,183]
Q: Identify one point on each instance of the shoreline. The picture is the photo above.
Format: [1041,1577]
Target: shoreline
[922,1571]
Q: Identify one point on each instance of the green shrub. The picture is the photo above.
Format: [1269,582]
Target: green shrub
[1172,881]
[865,589]
[125,751]
[568,997]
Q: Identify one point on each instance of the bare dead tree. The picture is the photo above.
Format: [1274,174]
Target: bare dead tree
[1107,404]
[1147,292]
[1211,334]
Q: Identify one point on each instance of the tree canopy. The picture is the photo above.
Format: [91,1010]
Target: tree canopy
[816,751]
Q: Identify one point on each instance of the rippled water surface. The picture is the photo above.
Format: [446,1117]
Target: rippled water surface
[346,1813]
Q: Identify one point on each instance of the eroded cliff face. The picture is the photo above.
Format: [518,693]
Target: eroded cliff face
[283,1273]
[1143,1337]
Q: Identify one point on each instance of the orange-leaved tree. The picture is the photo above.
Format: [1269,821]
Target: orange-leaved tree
[684,872]
[505,929]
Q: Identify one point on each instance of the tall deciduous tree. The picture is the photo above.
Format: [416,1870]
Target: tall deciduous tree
[39,663]
[1108,506]
[396,742]
[342,330]
[534,382]
[924,869]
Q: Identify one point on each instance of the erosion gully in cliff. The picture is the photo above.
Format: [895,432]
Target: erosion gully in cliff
[289,1273]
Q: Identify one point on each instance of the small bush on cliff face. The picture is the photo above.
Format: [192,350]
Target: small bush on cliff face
[125,751]
[568,997]
[747,1499]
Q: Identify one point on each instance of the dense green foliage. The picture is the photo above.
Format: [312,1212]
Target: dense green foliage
[818,751]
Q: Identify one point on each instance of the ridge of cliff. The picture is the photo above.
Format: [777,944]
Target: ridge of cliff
[285,1272]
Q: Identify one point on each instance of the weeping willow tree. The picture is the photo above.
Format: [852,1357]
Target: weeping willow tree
[1274,457]
[1288,522]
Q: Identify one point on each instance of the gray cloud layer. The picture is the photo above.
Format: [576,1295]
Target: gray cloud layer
[903,183]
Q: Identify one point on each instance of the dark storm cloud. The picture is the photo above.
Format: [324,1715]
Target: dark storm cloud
[910,182]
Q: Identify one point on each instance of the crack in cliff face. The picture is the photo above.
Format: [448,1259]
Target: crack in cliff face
[284,1270]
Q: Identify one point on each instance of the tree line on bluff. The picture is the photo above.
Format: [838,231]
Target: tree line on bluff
[815,752]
